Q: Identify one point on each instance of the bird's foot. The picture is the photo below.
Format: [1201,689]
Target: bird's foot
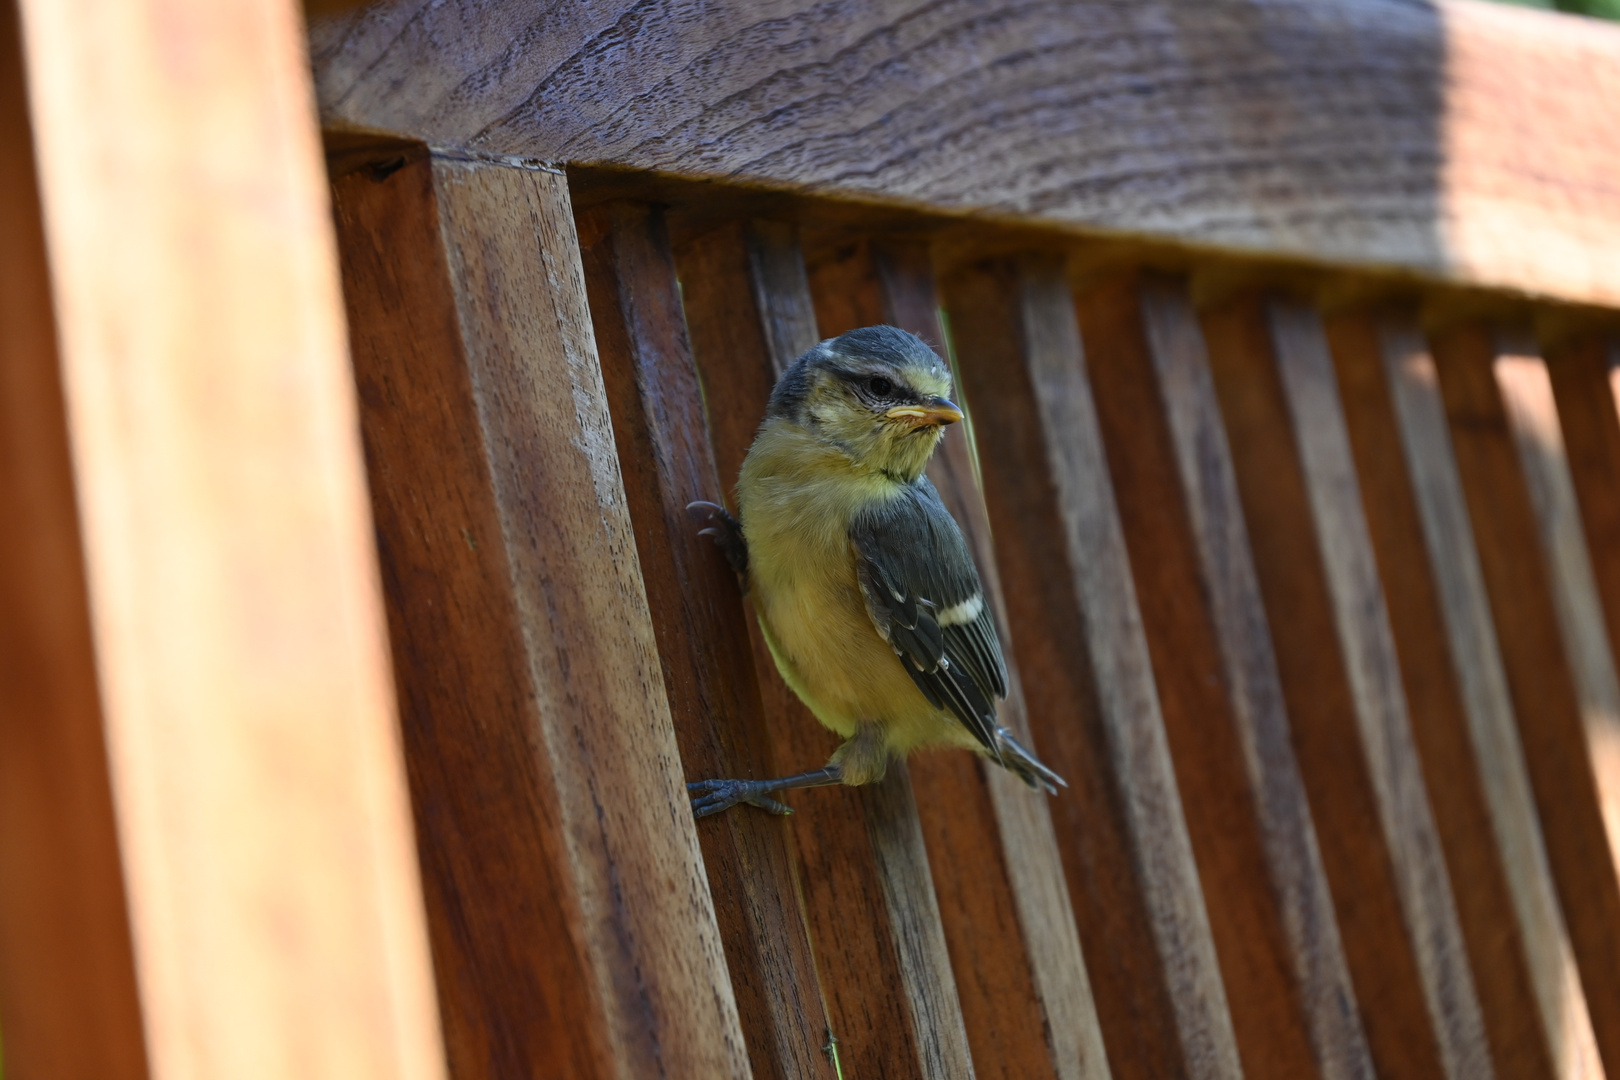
[1025,765]
[724,530]
[714,796]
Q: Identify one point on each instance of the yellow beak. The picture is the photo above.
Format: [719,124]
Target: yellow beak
[940,411]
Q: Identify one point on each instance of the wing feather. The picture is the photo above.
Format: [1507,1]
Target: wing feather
[924,596]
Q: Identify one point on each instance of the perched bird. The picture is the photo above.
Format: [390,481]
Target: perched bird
[864,588]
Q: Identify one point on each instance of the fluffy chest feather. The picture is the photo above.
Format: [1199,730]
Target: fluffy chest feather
[796,504]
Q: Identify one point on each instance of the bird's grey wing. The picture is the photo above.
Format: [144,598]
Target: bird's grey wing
[923,593]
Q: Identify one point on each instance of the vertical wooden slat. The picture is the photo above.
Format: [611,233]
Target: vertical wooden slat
[1088,682]
[874,918]
[664,452]
[573,926]
[488,826]
[68,1000]
[1532,415]
[1270,906]
[1451,669]
[1585,375]
[1005,905]
[243,668]
[1573,756]
[1341,681]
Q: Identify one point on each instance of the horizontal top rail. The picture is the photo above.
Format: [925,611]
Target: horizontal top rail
[1455,139]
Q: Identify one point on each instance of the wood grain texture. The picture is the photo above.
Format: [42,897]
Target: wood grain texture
[1526,392]
[1341,683]
[1532,415]
[264,830]
[1451,668]
[1087,678]
[664,454]
[1586,387]
[1571,756]
[1371,132]
[1271,910]
[1585,374]
[997,869]
[489,830]
[573,927]
[69,1005]
[874,917]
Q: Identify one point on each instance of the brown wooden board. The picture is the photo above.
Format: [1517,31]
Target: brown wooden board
[663,446]
[1585,374]
[874,918]
[573,929]
[1451,669]
[240,647]
[1271,910]
[1572,766]
[997,870]
[1372,132]
[1341,683]
[69,1006]
[1532,414]
[1087,678]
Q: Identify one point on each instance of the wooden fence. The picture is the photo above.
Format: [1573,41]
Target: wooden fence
[1289,336]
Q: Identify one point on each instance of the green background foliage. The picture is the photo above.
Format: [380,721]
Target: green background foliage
[1600,9]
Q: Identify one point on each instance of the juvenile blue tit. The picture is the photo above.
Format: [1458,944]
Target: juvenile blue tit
[864,588]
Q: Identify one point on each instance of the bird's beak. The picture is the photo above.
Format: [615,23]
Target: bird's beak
[939,411]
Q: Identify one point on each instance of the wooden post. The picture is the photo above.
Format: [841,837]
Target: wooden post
[1451,668]
[573,928]
[234,610]
[997,868]
[663,443]
[1341,682]
[1092,703]
[68,1000]
[874,918]
[1271,909]
[1570,750]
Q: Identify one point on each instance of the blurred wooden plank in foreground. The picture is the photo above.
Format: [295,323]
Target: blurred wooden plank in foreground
[69,1005]
[572,925]
[236,620]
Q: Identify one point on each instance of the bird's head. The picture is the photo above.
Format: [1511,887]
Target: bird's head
[878,394]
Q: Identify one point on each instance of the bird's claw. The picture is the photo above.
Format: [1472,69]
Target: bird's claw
[724,530]
[714,796]
[703,513]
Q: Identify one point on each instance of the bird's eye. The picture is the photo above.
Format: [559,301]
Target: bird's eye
[879,385]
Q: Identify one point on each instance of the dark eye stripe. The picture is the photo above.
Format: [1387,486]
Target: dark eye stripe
[861,382]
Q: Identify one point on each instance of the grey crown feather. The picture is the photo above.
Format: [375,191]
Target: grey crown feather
[914,564]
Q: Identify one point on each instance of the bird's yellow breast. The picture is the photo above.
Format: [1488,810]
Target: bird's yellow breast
[796,501]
